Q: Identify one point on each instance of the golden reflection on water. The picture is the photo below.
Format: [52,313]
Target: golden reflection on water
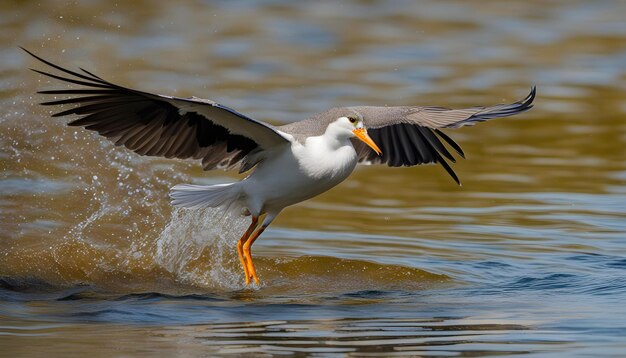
[541,208]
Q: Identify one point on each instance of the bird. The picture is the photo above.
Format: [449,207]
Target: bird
[285,164]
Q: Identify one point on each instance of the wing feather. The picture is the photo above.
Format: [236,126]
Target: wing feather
[435,143]
[451,143]
[152,124]
[405,141]
[409,136]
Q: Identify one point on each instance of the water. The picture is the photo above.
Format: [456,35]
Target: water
[527,257]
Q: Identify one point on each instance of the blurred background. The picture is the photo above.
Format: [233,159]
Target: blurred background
[528,256]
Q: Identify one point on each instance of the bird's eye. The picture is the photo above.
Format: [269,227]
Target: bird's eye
[352,119]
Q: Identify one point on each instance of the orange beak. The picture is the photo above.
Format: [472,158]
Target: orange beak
[361,133]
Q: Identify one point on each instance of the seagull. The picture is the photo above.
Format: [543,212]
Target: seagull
[287,164]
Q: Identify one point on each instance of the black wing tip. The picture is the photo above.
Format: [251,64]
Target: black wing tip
[448,169]
[521,106]
[94,81]
[498,111]
[25,50]
[39,71]
[457,148]
[527,103]
[533,93]
[35,56]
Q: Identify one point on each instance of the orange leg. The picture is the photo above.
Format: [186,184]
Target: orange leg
[240,246]
[248,255]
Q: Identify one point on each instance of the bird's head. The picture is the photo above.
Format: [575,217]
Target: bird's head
[352,126]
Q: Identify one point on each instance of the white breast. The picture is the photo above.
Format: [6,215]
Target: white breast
[300,172]
[325,161]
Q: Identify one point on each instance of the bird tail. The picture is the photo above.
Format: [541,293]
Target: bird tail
[205,196]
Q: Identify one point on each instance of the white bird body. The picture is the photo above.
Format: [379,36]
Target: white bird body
[289,163]
[292,173]
[299,172]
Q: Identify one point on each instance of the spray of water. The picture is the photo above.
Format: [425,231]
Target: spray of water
[100,215]
[196,246]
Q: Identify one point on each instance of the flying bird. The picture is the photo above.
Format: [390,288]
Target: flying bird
[286,164]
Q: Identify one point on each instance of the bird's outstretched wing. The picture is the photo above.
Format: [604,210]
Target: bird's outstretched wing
[158,125]
[409,136]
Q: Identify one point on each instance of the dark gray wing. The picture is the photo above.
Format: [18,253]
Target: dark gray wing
[158,125]
[440,117]
[410,136]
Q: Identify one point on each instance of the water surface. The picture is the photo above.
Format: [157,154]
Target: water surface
[527,257]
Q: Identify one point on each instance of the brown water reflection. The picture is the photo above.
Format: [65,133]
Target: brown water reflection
[528,256]
[347,337]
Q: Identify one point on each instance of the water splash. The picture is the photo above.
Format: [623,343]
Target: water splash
[197,247]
